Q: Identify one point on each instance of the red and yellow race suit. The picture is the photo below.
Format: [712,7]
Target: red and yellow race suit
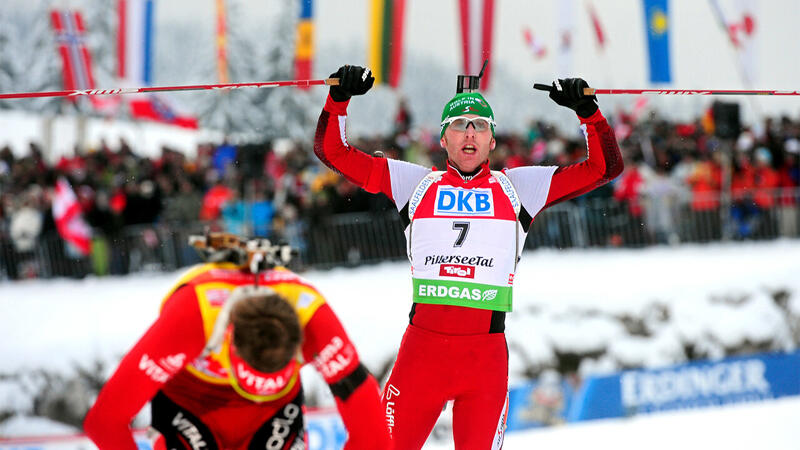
[210,399]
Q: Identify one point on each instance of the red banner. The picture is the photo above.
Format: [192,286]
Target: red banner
[477,29]
[222,43]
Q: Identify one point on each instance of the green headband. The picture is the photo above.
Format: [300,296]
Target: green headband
[467,103]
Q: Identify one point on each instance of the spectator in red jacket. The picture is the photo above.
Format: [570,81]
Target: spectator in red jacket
[765,183]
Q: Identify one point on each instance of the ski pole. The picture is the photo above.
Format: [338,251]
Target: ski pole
[593,91]
[195,87]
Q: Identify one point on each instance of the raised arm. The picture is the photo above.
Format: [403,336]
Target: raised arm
[173,340]
[603,164]
[604,161]
[356,391]
[330,140]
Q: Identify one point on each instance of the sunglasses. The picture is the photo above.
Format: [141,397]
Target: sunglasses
[460,123]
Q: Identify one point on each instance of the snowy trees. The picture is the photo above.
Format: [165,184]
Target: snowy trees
[291,112]
[28,57]
[260,55]
[185,53]
[101,22]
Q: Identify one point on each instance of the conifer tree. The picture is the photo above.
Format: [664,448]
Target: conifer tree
[101,18]
[260,55]
[29,60]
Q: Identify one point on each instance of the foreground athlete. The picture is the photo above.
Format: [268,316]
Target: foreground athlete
[465,229]
[221,363]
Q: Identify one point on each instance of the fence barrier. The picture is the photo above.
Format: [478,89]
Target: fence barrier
[365,238]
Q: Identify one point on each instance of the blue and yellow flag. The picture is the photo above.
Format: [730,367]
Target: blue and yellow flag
[657,24]
[304,44]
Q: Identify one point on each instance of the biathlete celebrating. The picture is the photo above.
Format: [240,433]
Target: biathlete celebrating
[221,364]
[465,229]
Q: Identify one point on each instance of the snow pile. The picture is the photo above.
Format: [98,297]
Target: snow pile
[577,310]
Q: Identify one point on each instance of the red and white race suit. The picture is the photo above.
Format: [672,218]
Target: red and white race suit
[464,237]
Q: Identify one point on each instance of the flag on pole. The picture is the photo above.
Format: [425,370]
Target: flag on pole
[135,42]
[68,217]
[741,26]
[565,21]
[639,107]
[599,34]
[304,42]
[71,39]
[222,43]
[156,109]
[385,57]
[77,59]
[135,54]
[477,29]
[535,44]
[657,24]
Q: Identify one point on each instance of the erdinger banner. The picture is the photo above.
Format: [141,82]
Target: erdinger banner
[553,400]
[694,385]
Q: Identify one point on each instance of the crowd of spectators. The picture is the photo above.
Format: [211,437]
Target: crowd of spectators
[279,190]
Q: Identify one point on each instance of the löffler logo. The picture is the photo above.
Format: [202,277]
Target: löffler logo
[391,392]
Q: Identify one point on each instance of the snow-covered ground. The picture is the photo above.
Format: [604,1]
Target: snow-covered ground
[717,296]
[769,425]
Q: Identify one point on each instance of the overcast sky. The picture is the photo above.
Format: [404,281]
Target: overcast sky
[702,56]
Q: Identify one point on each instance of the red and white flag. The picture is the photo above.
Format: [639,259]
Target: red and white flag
[534,43]
[135,41]
[740,22]
[135,53]
[599,34]
[76,59]
[565,33]
[156,108]
[639,108]
[477,27]
[71,40]
[68,217]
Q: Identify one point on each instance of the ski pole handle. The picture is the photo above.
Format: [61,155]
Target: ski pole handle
[542,87]
[548,88]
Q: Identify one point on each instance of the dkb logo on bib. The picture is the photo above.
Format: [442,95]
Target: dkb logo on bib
[452,201]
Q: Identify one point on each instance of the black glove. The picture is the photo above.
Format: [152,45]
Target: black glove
[353,80]
[569,92]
